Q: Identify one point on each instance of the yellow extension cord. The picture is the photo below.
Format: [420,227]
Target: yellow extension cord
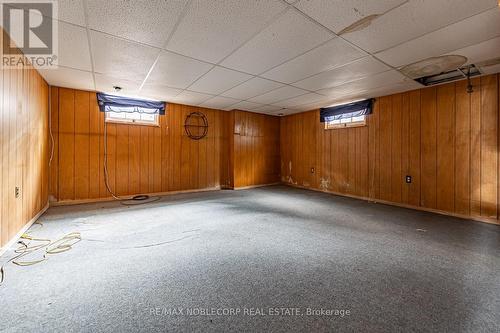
[51,247]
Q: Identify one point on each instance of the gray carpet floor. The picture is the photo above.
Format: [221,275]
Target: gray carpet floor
[266,259]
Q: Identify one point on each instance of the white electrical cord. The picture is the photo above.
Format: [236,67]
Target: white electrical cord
[52,146]
[136,200]
[106,177]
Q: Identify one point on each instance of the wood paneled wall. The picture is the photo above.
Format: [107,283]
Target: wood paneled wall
[255,147]
[445,138]
[24,149]
[141,159]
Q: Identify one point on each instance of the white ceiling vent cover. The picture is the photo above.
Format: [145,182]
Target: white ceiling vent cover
[433,66]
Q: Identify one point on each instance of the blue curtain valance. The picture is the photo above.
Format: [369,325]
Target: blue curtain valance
[355,109]
[111,103]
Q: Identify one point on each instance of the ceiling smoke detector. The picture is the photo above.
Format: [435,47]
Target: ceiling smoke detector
[433,66]
[359,24]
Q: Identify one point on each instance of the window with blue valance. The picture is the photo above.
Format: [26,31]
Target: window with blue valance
[112,103]
[345,111]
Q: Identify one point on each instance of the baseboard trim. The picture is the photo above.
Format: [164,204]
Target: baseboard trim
[23,230]
[126,197]
[254,186]
[390,203]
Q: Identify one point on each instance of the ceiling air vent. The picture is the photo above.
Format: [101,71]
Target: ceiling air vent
[457,74]
[437,70]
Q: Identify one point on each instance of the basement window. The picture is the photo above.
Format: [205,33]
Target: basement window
[127,110]
[346,122]
[132,118]
[346,115]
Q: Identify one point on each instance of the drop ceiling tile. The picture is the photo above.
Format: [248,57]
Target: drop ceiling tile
[68,77]
[191,98]
[342,101]
[149,22]
[305,108]
[159,92]
[285,112]
[315,106]
[278,95]
[360,68]
[325,57]
[301,100]
[413,19]
[396,88]
[211,30]
[483,51]
[491,69]
[280,113]
[122,59]
[345,100]
[71,11]
[366,84]
[218,80]
[267,109]
[287,37]
[380,91]
[73,47]
[246,105]
[251,88]
[177,71]
[338,15]
[219,102]
[470,31]
[105,83]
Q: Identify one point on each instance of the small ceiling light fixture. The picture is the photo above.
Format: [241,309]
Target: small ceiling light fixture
[360,24]
[281,114]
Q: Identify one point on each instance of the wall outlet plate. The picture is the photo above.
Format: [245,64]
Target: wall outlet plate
[408,179]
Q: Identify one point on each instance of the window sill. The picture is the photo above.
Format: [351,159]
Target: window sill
[344,126]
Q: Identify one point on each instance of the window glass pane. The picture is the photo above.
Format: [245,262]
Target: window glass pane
[147,117]
[132,118]
[342,123]
[135,116]
[116,115]
[360,118]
